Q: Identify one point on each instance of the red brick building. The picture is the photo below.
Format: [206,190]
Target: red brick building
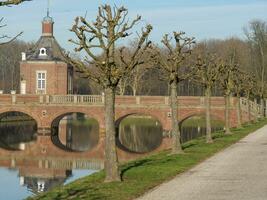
[42,69]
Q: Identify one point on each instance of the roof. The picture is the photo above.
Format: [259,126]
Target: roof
[53,51]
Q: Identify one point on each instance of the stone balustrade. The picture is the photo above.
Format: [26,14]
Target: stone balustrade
[191,101]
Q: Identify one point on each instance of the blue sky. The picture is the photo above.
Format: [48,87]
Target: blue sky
[202,19]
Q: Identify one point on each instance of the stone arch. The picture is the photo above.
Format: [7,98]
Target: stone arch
[98,116]
[21,138]
[199,113]
[160,116]
[125,115]
[24,111]
[55,120]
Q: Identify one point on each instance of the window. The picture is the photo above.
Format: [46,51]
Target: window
[41,82]
[42,52]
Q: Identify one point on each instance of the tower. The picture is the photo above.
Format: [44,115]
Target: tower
[43,69]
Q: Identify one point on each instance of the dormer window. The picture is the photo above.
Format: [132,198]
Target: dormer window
[42,52]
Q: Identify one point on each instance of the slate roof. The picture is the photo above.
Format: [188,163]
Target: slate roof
[53,50]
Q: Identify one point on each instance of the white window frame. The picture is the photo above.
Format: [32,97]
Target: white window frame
[42,52]
[41,90]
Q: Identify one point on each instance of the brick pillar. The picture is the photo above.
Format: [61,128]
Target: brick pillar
[137,100]
[13,96]
[166,100]
[41,99]
[102,133]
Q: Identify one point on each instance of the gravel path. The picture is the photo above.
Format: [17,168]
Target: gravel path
[237,173]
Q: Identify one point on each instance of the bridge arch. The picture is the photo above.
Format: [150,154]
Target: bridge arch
[67,137]
[90,112]
[160,116]
[15,137]
[187,115]
[23,111]
[139,136]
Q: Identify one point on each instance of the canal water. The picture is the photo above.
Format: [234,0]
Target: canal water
[27,170]
[195,127]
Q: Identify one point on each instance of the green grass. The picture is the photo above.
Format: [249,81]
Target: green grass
[144,174]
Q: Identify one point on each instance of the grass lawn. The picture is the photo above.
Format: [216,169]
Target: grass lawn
[144,174]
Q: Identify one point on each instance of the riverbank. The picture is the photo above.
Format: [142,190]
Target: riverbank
[141,175]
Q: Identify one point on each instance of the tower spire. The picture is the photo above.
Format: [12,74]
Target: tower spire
[48,7]
[47,23]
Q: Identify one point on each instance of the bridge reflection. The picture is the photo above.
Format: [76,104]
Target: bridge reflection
[42,165]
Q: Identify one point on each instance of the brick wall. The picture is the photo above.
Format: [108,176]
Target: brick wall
[56,76]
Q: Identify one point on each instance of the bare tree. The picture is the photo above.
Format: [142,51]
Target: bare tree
[206,74]
[3,36]
[172,62]
[134,81]
[102,35]
[227,82]
[10,56]
[256,34]
[11,2]
[248,87]
[239,81]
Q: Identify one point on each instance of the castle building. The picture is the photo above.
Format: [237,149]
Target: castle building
[42,69]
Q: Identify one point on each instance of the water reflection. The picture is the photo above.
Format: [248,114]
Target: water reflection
[15,135]
[43,182]
[76,132]
[195,127]
[139,134]
[30,164]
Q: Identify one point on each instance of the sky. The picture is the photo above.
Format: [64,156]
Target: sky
[202,19]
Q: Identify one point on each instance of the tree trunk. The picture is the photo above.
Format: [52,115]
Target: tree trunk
[122,87]
[208,124]
[256,111]
[176,137]
[111,159]
[238,112]
[262,82]
[135,83]
[227,114]
[248,109]
[134,91]
[262,107]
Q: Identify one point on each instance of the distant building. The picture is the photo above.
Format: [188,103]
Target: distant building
[42,69]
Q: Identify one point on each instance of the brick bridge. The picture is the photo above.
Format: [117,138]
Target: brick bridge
[46,109]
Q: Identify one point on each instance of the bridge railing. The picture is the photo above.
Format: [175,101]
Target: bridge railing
[123,100]
[50,99]
[247,105]
[74,99]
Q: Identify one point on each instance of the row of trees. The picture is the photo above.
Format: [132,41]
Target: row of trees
[177,59]
[116,65]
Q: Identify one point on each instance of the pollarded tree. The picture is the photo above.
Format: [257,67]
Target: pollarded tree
[228,72]
[172,62]
[240,83]
[207,73]
[102,36]
[248,87]
[258,93]
[256,34]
